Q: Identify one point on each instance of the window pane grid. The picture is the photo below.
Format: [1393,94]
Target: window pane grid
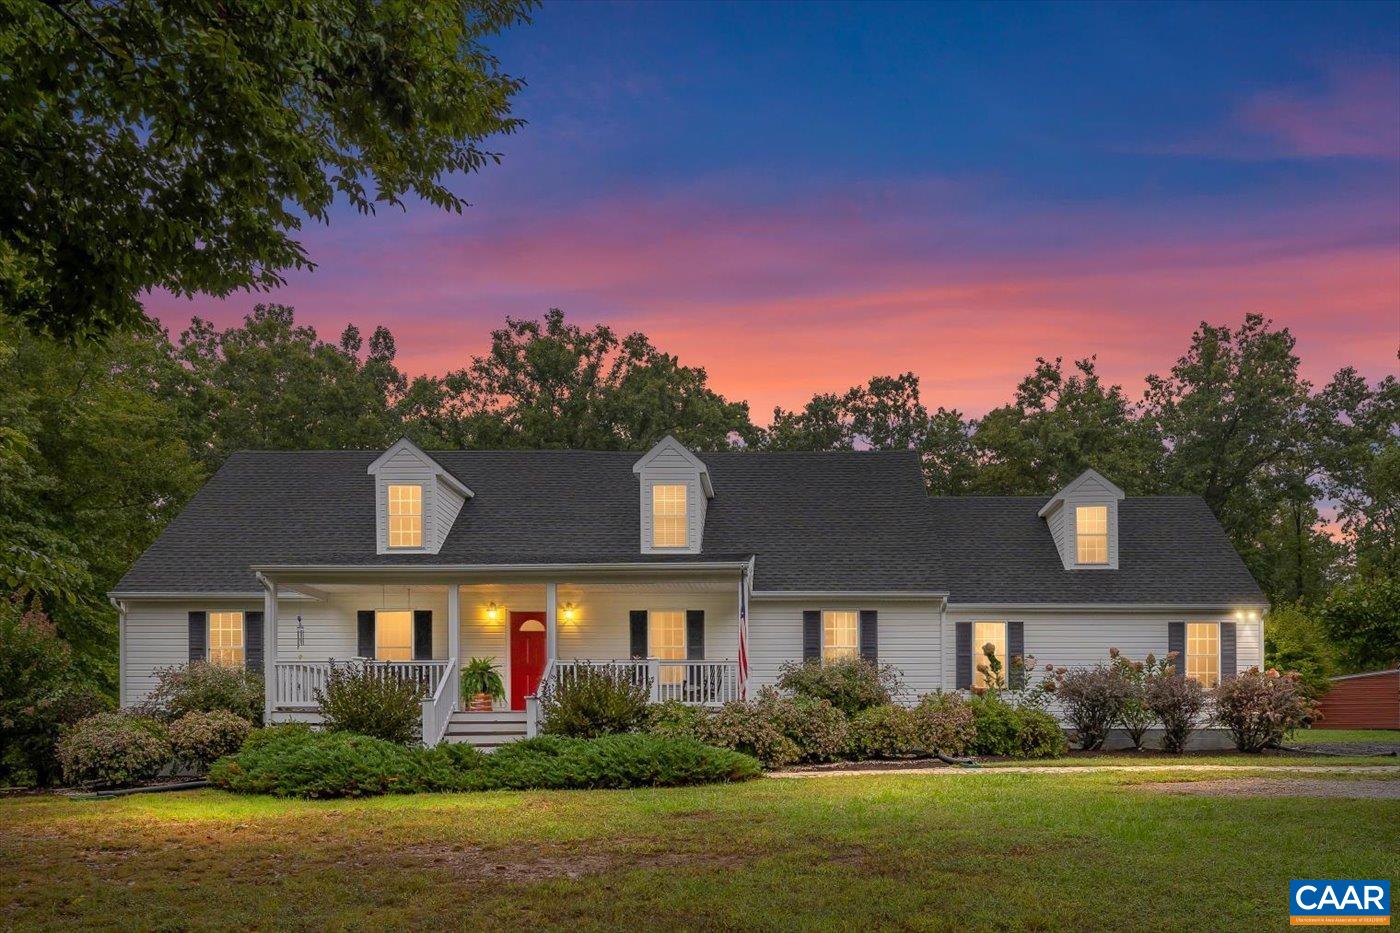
[405,516]
[393,635]
[1203,653]
[839,628]
[1091,534]
[226,639]
[666,640]
[984,633]
[668,524]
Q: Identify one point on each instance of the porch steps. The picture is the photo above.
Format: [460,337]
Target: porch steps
[486,731]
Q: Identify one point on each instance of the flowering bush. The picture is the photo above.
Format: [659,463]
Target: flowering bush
[1259,707]
[887,731]
[199,739]
[850,685]
[946,723]
[1092,699]
[1001,729]
[1177,702]
[818,729]
[114,750]
[201,687]
[1136,715]
[751,728]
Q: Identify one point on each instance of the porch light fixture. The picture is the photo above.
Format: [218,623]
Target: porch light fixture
[570,610]
[493,613]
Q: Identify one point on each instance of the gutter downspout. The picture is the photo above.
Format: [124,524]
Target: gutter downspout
[120,606]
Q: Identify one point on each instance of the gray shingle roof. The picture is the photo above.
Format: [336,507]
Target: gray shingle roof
[855,521]
[1171,549]
[830,521]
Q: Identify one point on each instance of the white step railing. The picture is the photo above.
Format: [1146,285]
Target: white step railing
[295,682]
[438,706]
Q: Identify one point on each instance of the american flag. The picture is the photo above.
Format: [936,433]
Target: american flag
[743,640]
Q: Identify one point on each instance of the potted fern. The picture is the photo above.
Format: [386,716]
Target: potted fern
[482,685]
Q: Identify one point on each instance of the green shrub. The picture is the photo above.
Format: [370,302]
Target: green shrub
[1010,732]
[1092,699]
[1259,707]
[200,687]
[363,699]
[946,723]
[40,695]
[199,739]
[850,685]
[819,730]
[1177,702]
[888,731]
[594,700]
[320,764]
[675,719]
[752,729]
[1135,714]
[307,764]
[114,750]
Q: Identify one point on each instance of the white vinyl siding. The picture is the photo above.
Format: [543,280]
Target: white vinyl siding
[840,634]
[225,643]
[156,634]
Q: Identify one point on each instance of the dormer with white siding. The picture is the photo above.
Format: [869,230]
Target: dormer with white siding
[675,489]
[1083,520]
[415,501]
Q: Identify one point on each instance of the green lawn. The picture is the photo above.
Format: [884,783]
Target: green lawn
[1317,736]
[1086,850]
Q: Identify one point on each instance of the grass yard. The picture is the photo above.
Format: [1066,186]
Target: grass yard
[1044,851]
[1331,736]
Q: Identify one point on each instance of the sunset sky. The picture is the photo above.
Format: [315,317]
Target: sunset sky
[798,197]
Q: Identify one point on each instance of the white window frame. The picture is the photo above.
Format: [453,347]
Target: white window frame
[389,516]
[1081,536]
[684,516]
[847,653]
[1186,661]
[979,681]
[234,656]
[379,632]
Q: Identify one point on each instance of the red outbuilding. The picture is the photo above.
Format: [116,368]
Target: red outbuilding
[1363,701]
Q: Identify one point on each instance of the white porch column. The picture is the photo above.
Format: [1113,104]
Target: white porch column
[551,621]
[454,639]
[269,648]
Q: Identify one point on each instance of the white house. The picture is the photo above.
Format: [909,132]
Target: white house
[705,572]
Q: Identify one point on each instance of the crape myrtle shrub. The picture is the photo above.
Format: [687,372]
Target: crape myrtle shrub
[1260,707]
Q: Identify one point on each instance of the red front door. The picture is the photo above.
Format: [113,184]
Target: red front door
[527,650]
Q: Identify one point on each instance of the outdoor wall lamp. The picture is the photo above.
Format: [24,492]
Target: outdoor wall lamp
[569,612]
[493,613]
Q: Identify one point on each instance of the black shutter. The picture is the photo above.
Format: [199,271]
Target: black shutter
[811,635]
[1015,648]
[870,635]
[1176,641]
[422,634]
[199,636]
[637,620]
[365,624]
[1228,662]
[253,641]
[962,664]
[695,634]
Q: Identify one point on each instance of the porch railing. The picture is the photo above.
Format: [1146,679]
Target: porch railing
[695,683]
[295,682]
[438,706]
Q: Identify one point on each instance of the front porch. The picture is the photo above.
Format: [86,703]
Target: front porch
[678,636]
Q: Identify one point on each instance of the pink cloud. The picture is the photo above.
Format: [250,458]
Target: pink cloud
[1355,113]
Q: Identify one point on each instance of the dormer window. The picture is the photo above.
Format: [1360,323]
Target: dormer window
[668,525]
[1091,534]
[405,516]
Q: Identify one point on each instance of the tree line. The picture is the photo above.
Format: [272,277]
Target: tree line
[102,443]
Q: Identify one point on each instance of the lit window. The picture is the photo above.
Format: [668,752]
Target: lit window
[405,516]
[226,639]
[393,635]
[839,628]
[983,634]
[668,516]
[1091,526]
[666,640]
[1203,653]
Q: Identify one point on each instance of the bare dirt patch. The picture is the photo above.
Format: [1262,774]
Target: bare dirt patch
[1268,787]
